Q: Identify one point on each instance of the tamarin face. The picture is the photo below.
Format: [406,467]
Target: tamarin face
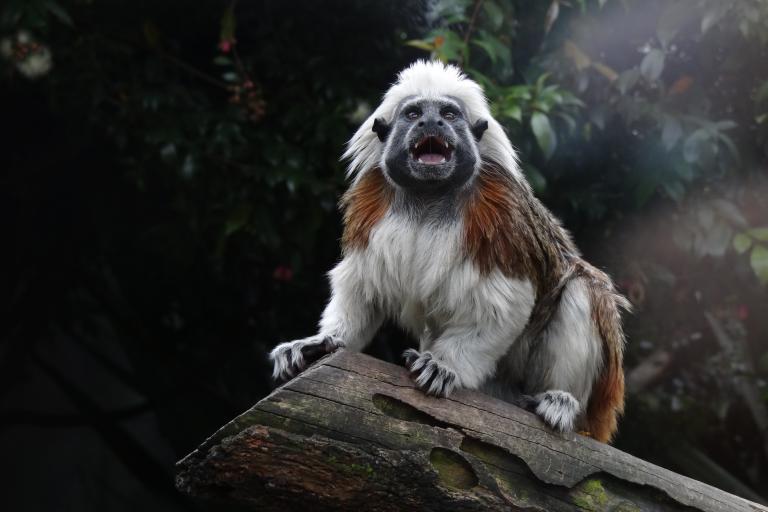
[430,144]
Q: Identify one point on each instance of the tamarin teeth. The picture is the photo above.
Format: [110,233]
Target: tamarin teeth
[432,159]
[429,141]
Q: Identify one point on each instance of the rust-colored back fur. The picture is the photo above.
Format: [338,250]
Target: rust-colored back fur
[505,227]
[606,402]
[364,204]
[496,235]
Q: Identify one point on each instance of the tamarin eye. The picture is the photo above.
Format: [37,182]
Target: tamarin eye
[413,114]
[449,115]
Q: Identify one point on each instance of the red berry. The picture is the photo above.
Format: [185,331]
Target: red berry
[283,273]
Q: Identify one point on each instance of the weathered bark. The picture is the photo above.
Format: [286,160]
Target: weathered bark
[352,433]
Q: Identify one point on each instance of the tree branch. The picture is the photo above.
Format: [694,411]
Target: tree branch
[353,433]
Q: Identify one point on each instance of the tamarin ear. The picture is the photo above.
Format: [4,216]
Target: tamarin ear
[381,128]
[477,129]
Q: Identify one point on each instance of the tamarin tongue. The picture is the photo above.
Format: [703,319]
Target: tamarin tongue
[431,158]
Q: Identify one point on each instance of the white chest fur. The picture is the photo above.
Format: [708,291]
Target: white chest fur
[420,276]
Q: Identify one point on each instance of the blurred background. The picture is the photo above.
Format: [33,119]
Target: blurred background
[170,176]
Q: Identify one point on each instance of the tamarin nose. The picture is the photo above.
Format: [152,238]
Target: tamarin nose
[431,122]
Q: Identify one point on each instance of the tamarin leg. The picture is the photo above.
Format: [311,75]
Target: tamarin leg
[574,372]
[349,321]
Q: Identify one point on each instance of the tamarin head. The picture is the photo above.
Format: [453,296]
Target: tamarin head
[432,130]
[430,143]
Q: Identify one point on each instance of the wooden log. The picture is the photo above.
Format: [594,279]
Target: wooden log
[353,433]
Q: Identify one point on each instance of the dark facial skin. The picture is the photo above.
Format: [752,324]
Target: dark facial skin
[430,145]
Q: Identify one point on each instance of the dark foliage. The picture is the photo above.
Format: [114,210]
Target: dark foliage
[170,189]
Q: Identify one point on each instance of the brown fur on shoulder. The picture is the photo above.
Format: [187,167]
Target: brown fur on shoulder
[364,205]
[506,227]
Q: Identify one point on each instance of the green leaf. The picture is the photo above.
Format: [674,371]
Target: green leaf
[580,59]
[627,80]
[545,135]
[541,81]
[569,98]
[452,11]
[59,12]
[761,94]
[550,97]
[646,187]
[569,120]
[484,80]
[728,143]
[519,92]
[231,77]
[674,189]
[513,112]
[714,15]
[597,116]
[741,243]
[607,71]
[759,234]
[744,28]
[671,132]
[715,241]
[488,47]
[422,45]
[652,65]
[228,24]
[759,261]
[692,149]
[238,219]
[168,152]
[494,14]
[496,50]
[552,13]
[730,212]
[188,167]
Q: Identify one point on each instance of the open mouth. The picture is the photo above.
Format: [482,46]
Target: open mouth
[432,151]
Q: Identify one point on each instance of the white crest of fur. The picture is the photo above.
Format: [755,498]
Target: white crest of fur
[430,79]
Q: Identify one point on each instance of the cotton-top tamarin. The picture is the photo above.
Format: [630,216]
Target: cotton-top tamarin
[443,234]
